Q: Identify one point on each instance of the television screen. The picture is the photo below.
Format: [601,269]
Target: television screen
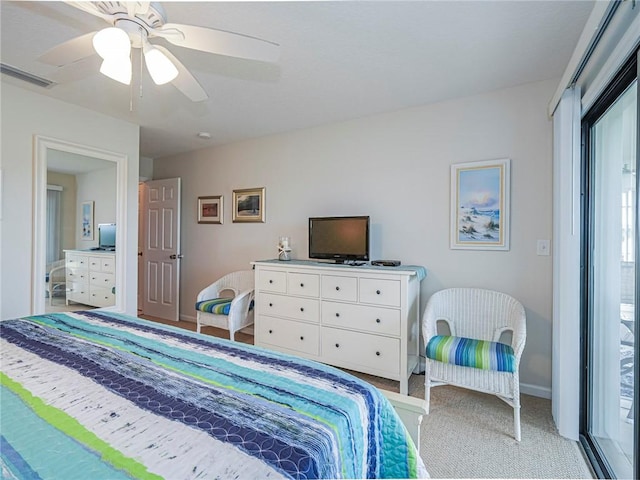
[107,236]
[339,238]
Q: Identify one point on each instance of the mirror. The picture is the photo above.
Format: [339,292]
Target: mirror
[51,151]
[76,182]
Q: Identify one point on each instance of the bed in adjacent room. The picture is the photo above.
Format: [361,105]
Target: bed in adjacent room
[101,395]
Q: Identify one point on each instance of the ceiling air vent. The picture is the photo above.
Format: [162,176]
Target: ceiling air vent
[27,77]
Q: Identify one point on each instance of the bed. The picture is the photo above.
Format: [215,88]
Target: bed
[107,396]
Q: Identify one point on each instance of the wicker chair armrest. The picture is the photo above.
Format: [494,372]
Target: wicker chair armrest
[240,303]
[210,292]
[56,270]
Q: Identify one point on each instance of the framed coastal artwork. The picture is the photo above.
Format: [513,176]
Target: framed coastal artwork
[248,205]
[87,220]
[480,205]
[210,209]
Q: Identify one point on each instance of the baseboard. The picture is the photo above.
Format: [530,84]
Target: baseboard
[188,318]
[535,390]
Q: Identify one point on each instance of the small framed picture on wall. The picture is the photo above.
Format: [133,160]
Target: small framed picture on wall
[87,220]
[248,205]
[210,209]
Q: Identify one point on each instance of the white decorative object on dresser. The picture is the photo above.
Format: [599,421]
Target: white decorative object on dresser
[362,318]
[91,277]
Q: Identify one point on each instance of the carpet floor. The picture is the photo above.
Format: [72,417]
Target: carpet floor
[470,435]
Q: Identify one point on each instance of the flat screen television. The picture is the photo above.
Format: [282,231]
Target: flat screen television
[342,239]
[107,236]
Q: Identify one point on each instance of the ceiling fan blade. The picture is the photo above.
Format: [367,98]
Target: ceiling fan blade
[135,8]
[185,82]
[89,7]
[70,51]
[219,42]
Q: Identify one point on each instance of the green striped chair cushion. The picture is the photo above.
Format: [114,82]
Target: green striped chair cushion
[467,352]
[219,306]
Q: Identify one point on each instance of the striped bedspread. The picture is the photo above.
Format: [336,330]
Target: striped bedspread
[93,395]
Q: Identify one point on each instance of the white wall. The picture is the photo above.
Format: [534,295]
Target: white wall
[25,114]
[100,187]
[394,167]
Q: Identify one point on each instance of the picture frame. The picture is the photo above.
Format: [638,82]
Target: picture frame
[86,220]
[211,209]
[480,200]
[249,205]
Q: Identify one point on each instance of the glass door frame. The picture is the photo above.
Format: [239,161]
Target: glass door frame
[627,74]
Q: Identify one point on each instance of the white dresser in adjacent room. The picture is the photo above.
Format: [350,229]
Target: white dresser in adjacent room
[362,318]
[91,277]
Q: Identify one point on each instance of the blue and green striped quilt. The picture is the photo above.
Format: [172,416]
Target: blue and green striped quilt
[106,396]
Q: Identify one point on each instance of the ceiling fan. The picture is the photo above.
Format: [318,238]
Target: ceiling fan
[133,24]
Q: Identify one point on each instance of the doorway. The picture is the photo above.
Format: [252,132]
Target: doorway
[71,180]
[44,149]
[608,418]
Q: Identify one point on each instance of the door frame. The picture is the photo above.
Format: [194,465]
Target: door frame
[41,147]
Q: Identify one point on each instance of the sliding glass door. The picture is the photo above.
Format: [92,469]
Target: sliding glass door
[609,429]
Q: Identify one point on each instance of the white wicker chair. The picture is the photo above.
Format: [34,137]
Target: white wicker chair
[481,315]
[241,284]
[56,279]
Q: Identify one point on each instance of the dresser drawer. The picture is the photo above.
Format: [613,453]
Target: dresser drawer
[382,321]
[77,275]
[301,337]
[304,284]
[361,350]
[102,264]
[102,297]
[340,288]
[306,309]
[78,292]
[76,261]
[380,292]
[102,280]
[272,281]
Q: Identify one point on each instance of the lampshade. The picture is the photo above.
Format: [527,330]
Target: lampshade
[161,69]
[118,69]
[112,42]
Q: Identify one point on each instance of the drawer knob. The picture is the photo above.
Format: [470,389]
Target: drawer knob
[378,354]
[106,279]
[302,309]
[337,345]
[337,314]
[302,285]
[377,292]
[378,320]
[270,331]
[337,289]
[301,337]
[271,304]
[270,281]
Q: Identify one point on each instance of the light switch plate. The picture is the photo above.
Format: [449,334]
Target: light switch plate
[542,247]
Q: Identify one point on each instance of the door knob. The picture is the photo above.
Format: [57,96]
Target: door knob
[174,256]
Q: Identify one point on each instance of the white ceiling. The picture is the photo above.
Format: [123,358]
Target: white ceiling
[339,60]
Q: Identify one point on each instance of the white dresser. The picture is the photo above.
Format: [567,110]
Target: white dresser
[361,318]
[91,277]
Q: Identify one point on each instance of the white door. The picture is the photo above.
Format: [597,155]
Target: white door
[161,248]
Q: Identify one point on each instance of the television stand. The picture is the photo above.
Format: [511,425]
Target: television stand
[364,319]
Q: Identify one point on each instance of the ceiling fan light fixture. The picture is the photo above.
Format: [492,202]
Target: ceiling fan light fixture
[112,42]
[118,69]
[161,69]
